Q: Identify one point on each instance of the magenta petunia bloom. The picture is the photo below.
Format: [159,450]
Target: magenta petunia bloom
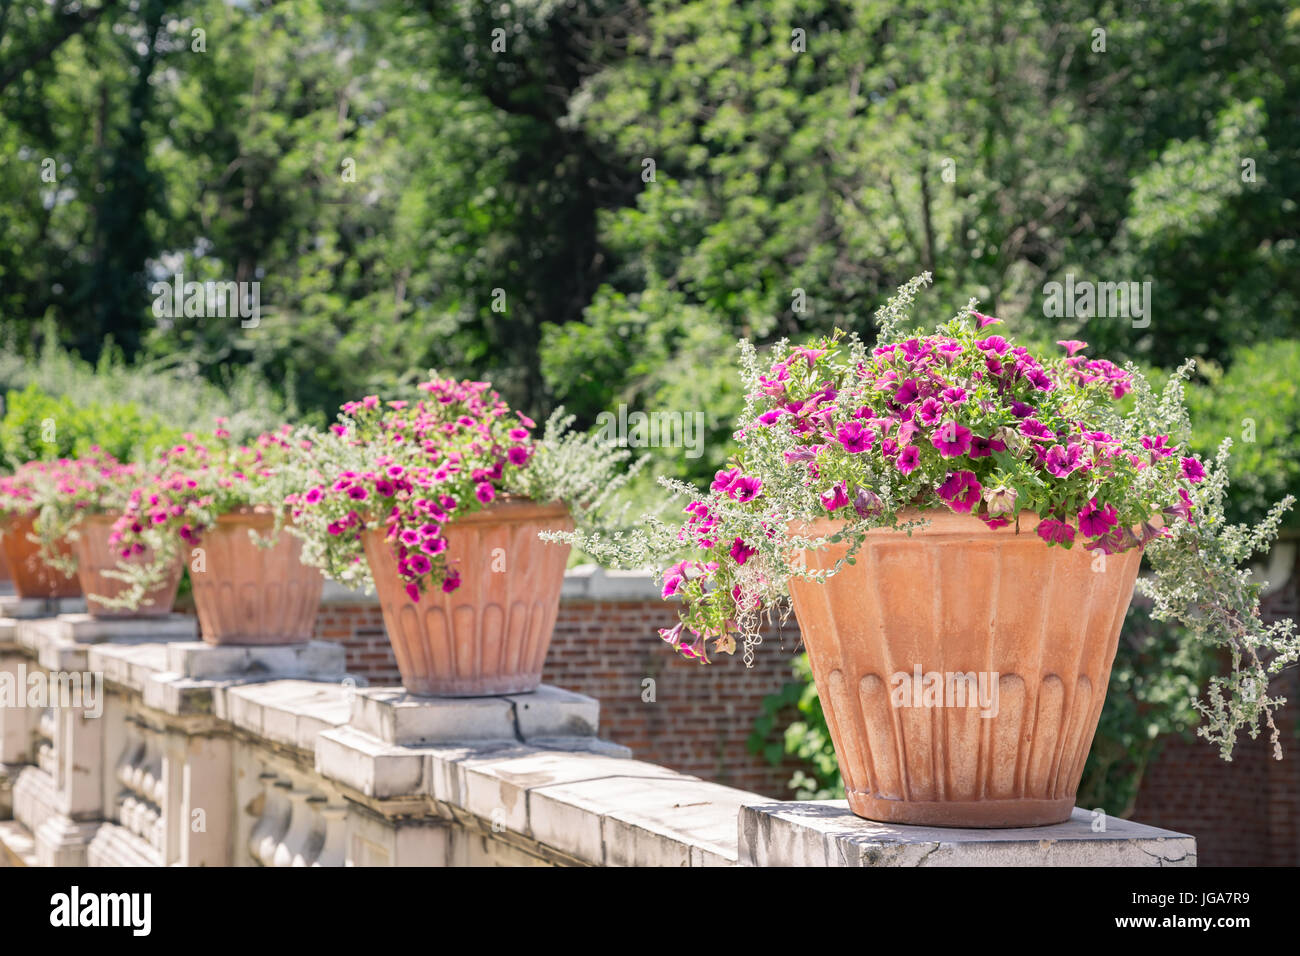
[1072,345]
[413,591]
[1182,508]
[983,447]
[907,393]
[854,437]
[484,492]
[961,491]
[1192,470]
[836,498]
[954,395]
[951,439]
[1095,521]
[908,459]
[451,583]
[982,321]
[1063,460]
[745,488]
[931,411]
[358,493]
[741,552]
[673,635]
[1033,428]
[1055,532]
[313,495]
[722,480]
[994,343]
[517,455]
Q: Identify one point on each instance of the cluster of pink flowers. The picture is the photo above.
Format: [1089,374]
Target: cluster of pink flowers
[65,487]
[193,483]
[962,420]
[428,462]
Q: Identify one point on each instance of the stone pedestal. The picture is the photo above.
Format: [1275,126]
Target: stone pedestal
[827,833]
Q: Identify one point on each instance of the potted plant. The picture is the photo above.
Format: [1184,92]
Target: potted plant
[33,577]
[437,504]
[78,502]
[958,524]
[220,504]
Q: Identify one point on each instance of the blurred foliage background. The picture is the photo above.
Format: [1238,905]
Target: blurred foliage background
[589,201]
[645,182]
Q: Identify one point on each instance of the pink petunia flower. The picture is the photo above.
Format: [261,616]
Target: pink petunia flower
[1192,470]
[951,439]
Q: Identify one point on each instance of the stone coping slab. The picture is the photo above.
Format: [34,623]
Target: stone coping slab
[292,712]
[396,717]
[581,796]
[82,628]
[320,660]
[11,605]
[827,833]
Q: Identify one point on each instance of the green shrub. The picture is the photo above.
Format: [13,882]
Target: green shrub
[1256,403]
[38,426]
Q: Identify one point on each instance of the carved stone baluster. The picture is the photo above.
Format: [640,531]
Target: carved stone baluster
[334,852]
[264,821]
[294,844]
[278,809]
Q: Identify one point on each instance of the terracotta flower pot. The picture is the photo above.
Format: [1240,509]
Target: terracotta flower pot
[95,556]
[32,577]
[489,636]
[247,594]
[1035,627]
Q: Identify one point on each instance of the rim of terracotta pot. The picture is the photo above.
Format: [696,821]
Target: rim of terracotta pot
[248,514]
[513,509]
[939,522]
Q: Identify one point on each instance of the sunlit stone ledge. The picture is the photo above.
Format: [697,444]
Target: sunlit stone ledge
[274,756]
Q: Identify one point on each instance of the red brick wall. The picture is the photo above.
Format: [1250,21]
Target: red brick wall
[360,628]
[701,715]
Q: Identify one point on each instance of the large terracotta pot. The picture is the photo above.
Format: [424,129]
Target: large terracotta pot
[33,578]
[489,636]
[96,556]
[1036,626]
[246,594]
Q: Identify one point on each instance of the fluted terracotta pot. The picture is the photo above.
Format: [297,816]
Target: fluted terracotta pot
[96,556]
[489,636]
[246,594]
[1034,627]
[32,577]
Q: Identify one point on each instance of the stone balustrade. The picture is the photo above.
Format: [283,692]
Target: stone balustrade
[273,756]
